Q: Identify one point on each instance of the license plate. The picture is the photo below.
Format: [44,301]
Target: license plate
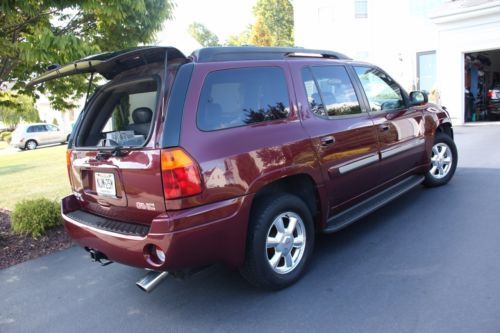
[105,184]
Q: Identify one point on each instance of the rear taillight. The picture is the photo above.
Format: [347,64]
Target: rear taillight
[180,174]
[68,162]
[490,93]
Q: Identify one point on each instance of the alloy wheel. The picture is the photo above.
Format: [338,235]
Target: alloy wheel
[285,242]
[441,160]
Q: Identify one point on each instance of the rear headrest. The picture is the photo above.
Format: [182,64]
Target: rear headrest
[142,115]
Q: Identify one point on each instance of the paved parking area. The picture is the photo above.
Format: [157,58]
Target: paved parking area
[429,262]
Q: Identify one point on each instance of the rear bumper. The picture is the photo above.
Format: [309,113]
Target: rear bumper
[189,238]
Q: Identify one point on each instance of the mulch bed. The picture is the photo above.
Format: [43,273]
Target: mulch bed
[15,249]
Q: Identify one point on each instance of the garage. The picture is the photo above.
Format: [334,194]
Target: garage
[468,59]
[482,86]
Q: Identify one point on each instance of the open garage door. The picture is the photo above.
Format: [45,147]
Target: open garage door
[482,86]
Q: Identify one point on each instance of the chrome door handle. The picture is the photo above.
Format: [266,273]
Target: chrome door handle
[384,128]
[327,140]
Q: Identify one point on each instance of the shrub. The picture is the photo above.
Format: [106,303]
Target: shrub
[7,137]
[33,217]
[4,134]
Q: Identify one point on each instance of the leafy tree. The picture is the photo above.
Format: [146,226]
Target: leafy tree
[260,34]
[274,23]
[19,107]
[203,35]
[240,39]
[37,33]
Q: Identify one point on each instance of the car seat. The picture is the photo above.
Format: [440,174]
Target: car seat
[142,121]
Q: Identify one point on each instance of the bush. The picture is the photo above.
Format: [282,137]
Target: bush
[4,134]
[7,137]
[33,217]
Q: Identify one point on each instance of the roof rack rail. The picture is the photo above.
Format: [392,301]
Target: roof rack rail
[232,53]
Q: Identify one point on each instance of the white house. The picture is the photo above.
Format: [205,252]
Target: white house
[439,46]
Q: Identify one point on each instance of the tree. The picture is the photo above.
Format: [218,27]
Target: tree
[240,39]
[37,33]
[203,35]
[260,34]
[20,107]
[274,23]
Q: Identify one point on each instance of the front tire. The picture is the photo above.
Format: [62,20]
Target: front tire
[444,160]
[280,241]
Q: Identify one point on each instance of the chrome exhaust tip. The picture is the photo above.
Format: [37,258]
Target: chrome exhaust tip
[151,280]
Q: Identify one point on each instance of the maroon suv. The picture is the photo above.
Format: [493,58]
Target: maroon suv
[239,155]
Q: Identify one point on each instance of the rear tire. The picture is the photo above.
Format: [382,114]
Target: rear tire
[444,160]
[280,241]
[31,145]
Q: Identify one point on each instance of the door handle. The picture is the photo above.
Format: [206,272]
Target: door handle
[327,140]
[384,128]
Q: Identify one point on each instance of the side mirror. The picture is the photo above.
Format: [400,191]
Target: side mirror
[418,98]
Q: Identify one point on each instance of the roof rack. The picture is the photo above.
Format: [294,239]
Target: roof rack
[228,53]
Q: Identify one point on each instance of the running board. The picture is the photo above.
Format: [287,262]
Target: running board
[371,204]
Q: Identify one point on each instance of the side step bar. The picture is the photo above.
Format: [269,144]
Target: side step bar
[371,204]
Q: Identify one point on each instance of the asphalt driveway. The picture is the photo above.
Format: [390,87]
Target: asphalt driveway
[429,262]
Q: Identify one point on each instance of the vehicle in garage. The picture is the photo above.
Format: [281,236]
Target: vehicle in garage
[493,103]
[240,155]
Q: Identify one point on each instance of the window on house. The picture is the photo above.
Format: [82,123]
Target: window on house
[360,8]
[426,70]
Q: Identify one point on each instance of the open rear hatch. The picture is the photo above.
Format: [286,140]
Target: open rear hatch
[111,64]
[113,161]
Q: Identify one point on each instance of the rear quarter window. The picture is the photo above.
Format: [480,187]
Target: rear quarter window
[242,96]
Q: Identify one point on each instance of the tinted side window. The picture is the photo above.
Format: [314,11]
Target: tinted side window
[382,92]
[242,96]
[330,91]
[37,129]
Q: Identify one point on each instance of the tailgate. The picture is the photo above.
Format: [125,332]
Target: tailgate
[126,188]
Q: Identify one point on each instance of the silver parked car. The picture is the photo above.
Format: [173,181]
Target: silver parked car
[30,136]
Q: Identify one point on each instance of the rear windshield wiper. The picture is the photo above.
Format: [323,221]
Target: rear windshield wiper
[108,148]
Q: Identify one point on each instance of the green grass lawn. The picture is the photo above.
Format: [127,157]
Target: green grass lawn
[33,174]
